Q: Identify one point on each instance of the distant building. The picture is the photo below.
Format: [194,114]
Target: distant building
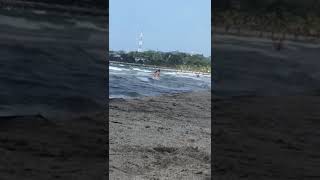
[139,60]
[114,56]
[140,42]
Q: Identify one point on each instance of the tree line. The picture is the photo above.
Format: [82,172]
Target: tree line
[297,18]
[178,60]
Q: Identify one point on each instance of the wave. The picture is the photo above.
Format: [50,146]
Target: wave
[127,81]
[145,79]
[142,70]
[117,68]
[87,25]
[188,75]
[170,73]
[119,97]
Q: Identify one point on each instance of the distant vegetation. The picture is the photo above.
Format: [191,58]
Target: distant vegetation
[297,18]
[177,60]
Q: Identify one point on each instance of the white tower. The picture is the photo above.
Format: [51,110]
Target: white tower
[140,43]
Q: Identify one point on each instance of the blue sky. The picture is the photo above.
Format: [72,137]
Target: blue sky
[167,25]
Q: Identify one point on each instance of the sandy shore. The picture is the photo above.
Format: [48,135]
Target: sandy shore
[166,137]
[266,138]
[34,147]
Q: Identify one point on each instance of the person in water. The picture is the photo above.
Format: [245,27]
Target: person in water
[156,74]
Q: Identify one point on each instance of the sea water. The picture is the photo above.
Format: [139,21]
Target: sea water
[128,81]
[51,66]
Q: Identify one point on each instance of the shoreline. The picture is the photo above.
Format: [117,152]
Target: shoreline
[262,39]
[218,31]
[166,136]
[124,98]
[157,67]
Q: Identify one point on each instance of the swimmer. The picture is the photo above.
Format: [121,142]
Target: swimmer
[156,74]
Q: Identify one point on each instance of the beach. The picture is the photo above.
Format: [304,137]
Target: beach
[34,147]
[163,137]
[266,137]
[266,110]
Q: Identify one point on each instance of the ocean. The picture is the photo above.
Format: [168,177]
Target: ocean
[51,65]
[56,65]
[128,81]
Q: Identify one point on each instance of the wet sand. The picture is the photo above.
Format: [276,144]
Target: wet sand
[266,138]
[34,147]
[266,110]
[165,137]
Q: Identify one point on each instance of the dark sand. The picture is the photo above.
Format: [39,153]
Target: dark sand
[266,138]
[266,110]
[33,147]
[166,137]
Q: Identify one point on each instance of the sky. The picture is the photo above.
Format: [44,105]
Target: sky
[167,25]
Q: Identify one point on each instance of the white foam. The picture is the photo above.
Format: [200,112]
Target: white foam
[18,22]
[145,79]
[141,70]
[86,24]
[119,96]
[170,73]
[117,69]
[23,23]
[189,75]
